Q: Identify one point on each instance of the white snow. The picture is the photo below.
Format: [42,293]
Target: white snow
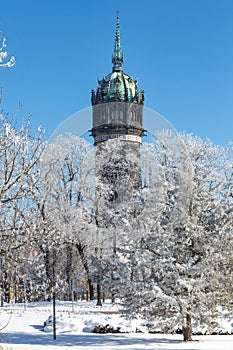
[74,324]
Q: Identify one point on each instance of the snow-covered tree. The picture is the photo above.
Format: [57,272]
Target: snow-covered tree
[20,151]
[118,180]
[62,212]
[178,276]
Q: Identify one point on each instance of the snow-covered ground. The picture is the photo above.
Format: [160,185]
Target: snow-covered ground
[74,323]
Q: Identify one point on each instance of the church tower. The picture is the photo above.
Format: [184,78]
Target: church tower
[117,113]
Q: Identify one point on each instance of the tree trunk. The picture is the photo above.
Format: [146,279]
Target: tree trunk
[84,260]
[2,297]
[187,329]
[90,289]
[99,302]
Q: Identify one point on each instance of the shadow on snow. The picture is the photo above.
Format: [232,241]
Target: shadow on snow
[84,340]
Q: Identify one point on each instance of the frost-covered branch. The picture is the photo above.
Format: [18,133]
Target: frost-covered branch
[5,61]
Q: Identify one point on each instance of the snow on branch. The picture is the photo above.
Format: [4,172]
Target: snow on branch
[5,62]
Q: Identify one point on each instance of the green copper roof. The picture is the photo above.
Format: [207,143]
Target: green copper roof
[117,86]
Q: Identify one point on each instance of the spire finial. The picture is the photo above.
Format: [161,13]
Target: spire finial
[117,57]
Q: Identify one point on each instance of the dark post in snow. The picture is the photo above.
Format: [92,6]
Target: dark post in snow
[54,299]
[54,315]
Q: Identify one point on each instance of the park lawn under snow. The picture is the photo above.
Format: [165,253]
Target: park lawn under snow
[74,323]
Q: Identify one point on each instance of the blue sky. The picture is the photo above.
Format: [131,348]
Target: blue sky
[181,52]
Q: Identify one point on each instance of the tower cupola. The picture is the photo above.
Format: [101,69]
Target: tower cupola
[117,105]
[117,86]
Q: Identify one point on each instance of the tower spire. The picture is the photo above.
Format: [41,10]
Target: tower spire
[117,57]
